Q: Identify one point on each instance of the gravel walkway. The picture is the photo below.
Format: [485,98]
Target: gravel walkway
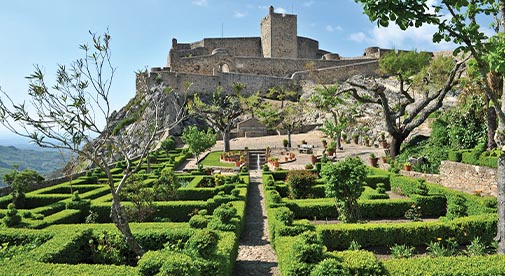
[255,255]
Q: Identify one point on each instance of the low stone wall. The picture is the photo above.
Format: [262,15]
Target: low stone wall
[468,178]
[462,177]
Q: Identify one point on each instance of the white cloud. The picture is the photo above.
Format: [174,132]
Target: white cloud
[201,3]
[358,37]
[411,39]
[281,10]
[331,28]
[238,14]
[308,3]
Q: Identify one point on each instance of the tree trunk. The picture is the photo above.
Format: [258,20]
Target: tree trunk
[491,125]
[500,140]
[118,216]
[500,236]
[339,137]
[226,140]
[148,163]
[289,138]
[396,143]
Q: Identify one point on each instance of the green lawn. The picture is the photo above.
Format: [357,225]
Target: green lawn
[212,160]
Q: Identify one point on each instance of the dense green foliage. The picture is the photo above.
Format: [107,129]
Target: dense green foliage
[344,182]
[300,183]
[198,141]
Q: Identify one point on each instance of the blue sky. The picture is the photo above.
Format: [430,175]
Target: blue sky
[49,32]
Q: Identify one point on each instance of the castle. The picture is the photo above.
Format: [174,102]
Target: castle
[279,57]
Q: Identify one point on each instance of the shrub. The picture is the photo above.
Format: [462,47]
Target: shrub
[166,263]
[330,266]
[202,243]
[225,212]
[168,144]
[109,248]
[344,182]
[275,197]
[421,188]
[361,262]
[198,221]
[12,218]
[456,207]
[308,249]
[454,155]
[284,215]
[381,188]
[222,218]
[300,183]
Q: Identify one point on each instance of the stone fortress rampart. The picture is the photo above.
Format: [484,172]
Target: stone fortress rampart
[278,57]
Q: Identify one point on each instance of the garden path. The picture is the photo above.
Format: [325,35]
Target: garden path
[255,254]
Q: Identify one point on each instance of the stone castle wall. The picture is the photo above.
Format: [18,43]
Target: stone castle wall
[236,46]
[341,72]
[280,67]
[308,48]
[208,84]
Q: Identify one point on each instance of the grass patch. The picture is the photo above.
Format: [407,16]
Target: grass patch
[213,160]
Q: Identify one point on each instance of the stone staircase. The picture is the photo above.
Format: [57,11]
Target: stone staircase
[256,158]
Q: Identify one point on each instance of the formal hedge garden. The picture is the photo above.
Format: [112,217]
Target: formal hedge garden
[191,228]
[408,227]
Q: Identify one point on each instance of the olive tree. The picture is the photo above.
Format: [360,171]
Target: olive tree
[69,113]
[462,24]
[220,112]
[423,85]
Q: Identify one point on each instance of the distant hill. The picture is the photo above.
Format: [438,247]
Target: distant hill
[43,161]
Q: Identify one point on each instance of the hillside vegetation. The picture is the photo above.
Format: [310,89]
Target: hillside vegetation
[43,161]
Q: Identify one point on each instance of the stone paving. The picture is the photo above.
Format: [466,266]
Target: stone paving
[255,254]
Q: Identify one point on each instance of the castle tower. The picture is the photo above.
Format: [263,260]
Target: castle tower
[279,35]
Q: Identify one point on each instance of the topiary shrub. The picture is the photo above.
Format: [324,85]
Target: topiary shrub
[300,183]
[202,243]
[284,215]
[275,197]
[198,222]
[381,188]
[225,212]
[235,192]
[308,249]
[222,217]
[12,218]
[456,207]
[330,266]
[166,263]
[421,188]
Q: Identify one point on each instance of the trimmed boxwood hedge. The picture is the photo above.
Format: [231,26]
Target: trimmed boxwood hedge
[463,230]
[460,265]
[358,262]
[65,247]
[321,208]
